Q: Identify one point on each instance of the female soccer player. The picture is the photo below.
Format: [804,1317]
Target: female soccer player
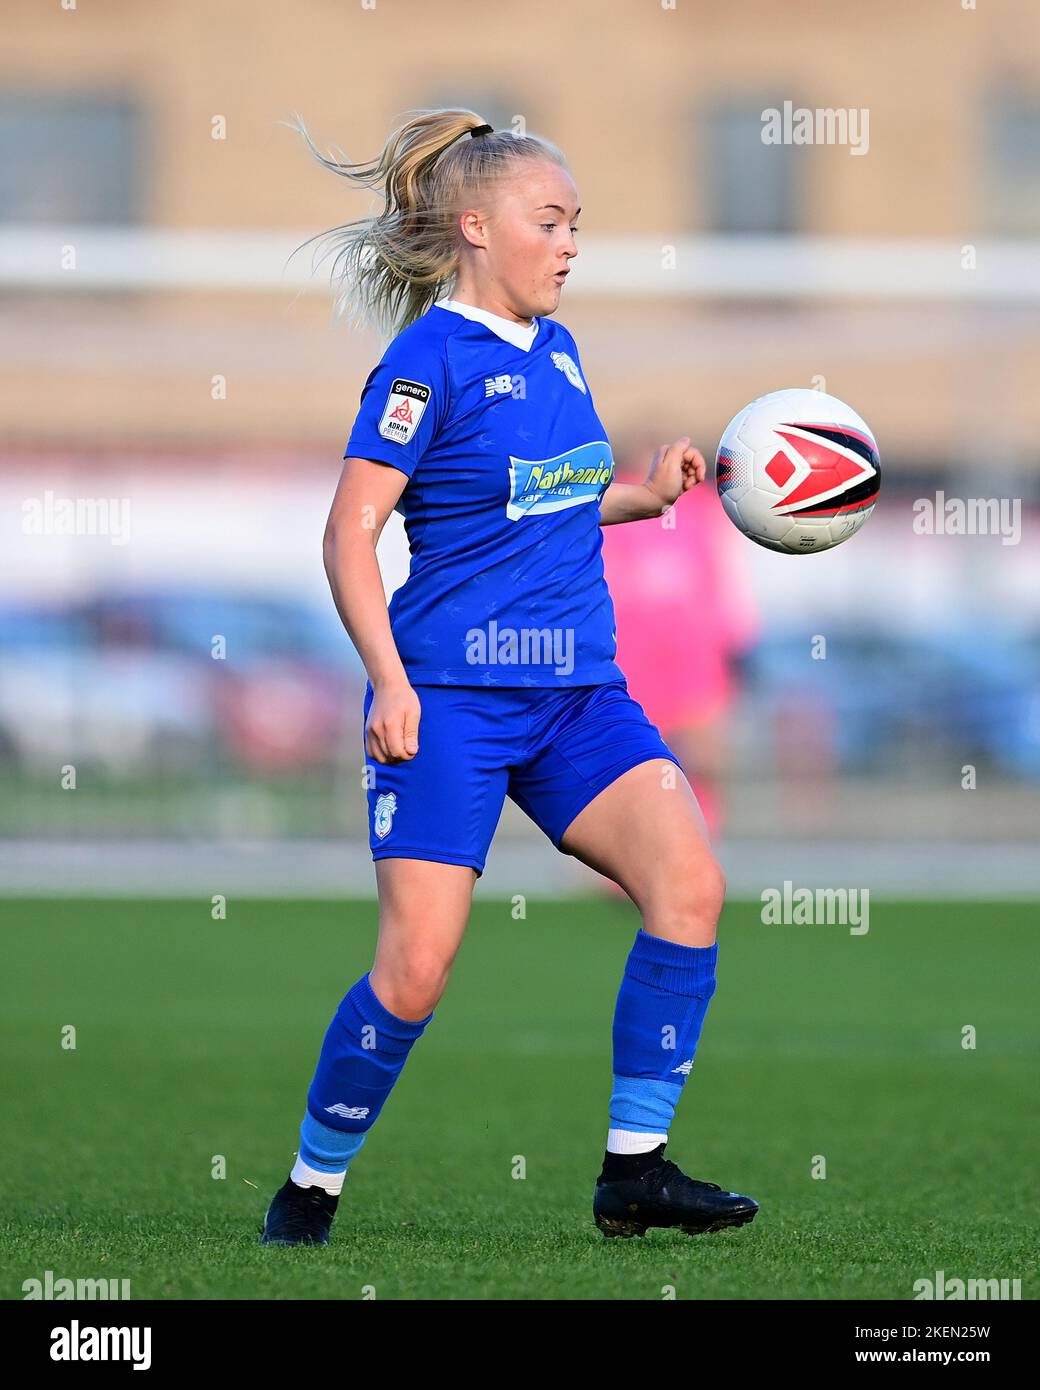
[478,425]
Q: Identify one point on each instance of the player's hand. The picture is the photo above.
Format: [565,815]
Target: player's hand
[392,727]
[676,468]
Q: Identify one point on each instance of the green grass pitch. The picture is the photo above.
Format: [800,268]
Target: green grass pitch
[197,1038]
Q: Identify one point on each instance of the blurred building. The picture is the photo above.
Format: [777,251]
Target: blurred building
[107,120]
[161,346]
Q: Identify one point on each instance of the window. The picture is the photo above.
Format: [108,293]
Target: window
[69,157]
[1013,163]
[745,185]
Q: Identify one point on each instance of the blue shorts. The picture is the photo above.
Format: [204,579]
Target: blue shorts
[551,750]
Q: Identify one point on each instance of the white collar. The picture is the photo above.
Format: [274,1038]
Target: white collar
[513,332]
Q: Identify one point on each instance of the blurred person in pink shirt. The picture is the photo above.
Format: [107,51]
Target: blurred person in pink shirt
[684,613]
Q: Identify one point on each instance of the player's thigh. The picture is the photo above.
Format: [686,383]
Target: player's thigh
[423,910]
[443,804]
[646,832]
[431,821]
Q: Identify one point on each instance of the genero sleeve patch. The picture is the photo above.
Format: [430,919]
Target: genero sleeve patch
[403,410]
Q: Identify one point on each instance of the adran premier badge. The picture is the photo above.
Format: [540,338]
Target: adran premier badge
[403,411]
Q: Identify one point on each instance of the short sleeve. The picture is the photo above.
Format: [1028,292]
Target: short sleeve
[403,404]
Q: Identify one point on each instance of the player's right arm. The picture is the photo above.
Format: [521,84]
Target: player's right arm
[366,495]
[403,404]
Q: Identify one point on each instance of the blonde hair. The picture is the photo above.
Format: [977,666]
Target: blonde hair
[389,268]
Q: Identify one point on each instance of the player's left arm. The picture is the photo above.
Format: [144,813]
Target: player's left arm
[675,469]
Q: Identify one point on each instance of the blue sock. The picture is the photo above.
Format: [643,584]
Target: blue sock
[661,1004]
[364,1052]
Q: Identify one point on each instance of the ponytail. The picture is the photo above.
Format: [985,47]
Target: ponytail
[389,268]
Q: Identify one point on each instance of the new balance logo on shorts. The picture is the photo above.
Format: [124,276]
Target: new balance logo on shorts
[348,1112]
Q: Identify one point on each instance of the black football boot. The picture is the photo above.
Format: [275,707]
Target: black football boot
[299,1216]
[658,1193]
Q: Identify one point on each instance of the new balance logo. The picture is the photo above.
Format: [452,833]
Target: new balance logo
[684,1067]
[497,386]
[348,1112]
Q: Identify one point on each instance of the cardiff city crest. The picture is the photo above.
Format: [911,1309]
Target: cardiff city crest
[386,805]
[569,368]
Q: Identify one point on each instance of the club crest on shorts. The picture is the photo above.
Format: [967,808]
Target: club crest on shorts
[569,368]
[386,805]
[403,410]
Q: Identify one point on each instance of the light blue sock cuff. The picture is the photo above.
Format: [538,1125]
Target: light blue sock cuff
[642,1104]
[328,1150]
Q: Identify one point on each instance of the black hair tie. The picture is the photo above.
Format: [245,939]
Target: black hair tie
[483,130]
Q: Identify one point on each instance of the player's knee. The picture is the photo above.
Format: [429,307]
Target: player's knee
[412,987]
[704,891]
[692,904]
[713,888]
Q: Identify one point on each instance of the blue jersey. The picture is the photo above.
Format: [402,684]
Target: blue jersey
[494,426]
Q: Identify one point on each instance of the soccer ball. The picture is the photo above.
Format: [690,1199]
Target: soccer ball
[798,471]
